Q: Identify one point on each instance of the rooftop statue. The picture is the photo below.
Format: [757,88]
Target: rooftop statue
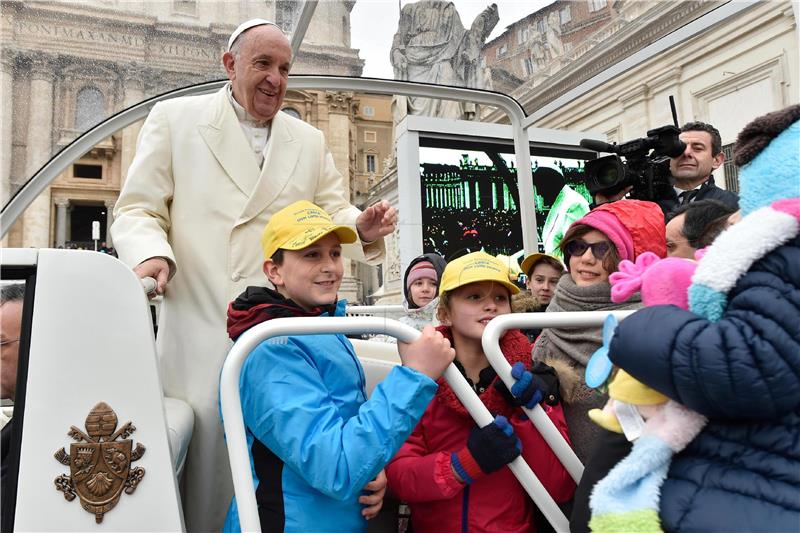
[431,45]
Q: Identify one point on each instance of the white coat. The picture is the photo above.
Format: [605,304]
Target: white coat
[195,195]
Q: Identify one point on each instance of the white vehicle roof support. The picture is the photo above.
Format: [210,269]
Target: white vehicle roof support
[491,347]
[61,161]
[307,13]
[233,420]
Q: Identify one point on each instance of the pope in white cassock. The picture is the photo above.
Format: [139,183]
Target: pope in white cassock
[209,172]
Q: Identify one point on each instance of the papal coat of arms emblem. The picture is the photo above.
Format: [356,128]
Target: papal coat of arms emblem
[99,464]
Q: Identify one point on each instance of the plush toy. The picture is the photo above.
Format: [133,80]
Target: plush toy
[628,497]
[660,281]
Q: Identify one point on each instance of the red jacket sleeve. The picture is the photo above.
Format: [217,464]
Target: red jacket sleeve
[540,457]
[416,475]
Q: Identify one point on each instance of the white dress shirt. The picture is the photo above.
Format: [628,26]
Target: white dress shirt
[256,131]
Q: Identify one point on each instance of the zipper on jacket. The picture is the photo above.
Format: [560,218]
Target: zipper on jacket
[465,511]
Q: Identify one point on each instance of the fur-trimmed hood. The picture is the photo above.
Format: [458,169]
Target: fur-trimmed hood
[525,302]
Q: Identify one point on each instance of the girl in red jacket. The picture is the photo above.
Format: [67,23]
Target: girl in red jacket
[450,471]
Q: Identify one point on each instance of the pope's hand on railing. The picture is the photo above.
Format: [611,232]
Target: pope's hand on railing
[430,354]
[156,268]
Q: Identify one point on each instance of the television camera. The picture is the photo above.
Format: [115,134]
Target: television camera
[645,168]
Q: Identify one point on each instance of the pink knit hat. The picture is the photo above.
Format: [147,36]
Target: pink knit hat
[421,270]
[634,226]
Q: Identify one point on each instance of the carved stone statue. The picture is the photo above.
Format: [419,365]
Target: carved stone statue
[431,45]
[554,35]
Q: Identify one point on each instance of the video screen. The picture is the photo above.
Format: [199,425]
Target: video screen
[470,200]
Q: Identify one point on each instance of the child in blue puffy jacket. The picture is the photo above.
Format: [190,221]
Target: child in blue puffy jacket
[317,444]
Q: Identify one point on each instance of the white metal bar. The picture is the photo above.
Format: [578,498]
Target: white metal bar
[299,32]
[233,420]
[375,310]
[491,347]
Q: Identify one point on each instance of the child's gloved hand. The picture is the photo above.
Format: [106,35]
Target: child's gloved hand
[526,390]
[488,449]
[532,386]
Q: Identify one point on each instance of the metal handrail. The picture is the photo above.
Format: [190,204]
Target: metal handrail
[233,420]
[375,310]
[491,347]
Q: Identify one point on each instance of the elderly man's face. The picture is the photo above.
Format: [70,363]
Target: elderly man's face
[10,327]
[260,71]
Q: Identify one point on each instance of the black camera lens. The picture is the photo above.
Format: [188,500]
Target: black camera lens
[607,175]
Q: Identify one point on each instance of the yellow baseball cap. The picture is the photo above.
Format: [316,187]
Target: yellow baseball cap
[470,268]
[531,260]
[299,225]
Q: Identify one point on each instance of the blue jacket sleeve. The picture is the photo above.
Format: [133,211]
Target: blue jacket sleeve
[288,408]
[746,366]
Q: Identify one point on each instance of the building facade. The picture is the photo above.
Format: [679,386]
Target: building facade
[65,69]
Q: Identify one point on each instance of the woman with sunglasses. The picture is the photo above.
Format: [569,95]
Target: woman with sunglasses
[593,247]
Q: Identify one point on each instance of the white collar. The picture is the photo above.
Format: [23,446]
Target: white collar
[241,113]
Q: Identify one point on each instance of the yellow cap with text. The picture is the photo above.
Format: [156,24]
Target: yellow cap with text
[474,267]
[529,262]
[299,225]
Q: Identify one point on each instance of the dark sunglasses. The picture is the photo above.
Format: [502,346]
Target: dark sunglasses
[579,247]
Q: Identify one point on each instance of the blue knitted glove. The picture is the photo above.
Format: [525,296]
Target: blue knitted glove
[488,449]
[526,389]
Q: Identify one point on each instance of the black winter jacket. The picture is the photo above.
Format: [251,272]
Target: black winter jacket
[742,473]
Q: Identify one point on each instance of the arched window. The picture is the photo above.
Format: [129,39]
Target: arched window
[90,108]
[292,112]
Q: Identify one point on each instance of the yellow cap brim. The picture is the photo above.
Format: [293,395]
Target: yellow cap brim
[528,263]
[449,285]
[311,235]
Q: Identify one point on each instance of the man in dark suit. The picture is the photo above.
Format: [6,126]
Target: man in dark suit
[691,171]
[11,297]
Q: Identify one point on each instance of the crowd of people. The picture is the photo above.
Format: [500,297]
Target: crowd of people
[449,230]
[727,337]
[324,455]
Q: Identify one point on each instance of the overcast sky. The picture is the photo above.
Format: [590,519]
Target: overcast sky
[374,23]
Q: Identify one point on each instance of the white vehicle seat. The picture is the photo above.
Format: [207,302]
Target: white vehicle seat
[91,342]
[377,358]
[180,423]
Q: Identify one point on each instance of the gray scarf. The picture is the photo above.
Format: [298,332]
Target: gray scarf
[576,345]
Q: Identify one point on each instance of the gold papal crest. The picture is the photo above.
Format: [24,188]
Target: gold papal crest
[99,464]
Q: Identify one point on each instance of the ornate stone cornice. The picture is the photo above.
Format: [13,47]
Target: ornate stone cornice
[41,66]
[340,103]
[8,59]
[633,96]
[613,49]
[666,79]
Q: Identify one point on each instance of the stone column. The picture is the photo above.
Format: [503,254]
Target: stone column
[36,220]
[109,221]
[340,113]
[133,78]
[7,61]
[62,204]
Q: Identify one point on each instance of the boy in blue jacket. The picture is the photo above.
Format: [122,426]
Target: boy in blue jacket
[316,442]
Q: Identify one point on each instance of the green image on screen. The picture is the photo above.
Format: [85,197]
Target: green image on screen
[470,201]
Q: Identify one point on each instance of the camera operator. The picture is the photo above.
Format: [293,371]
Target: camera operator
[691,171]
